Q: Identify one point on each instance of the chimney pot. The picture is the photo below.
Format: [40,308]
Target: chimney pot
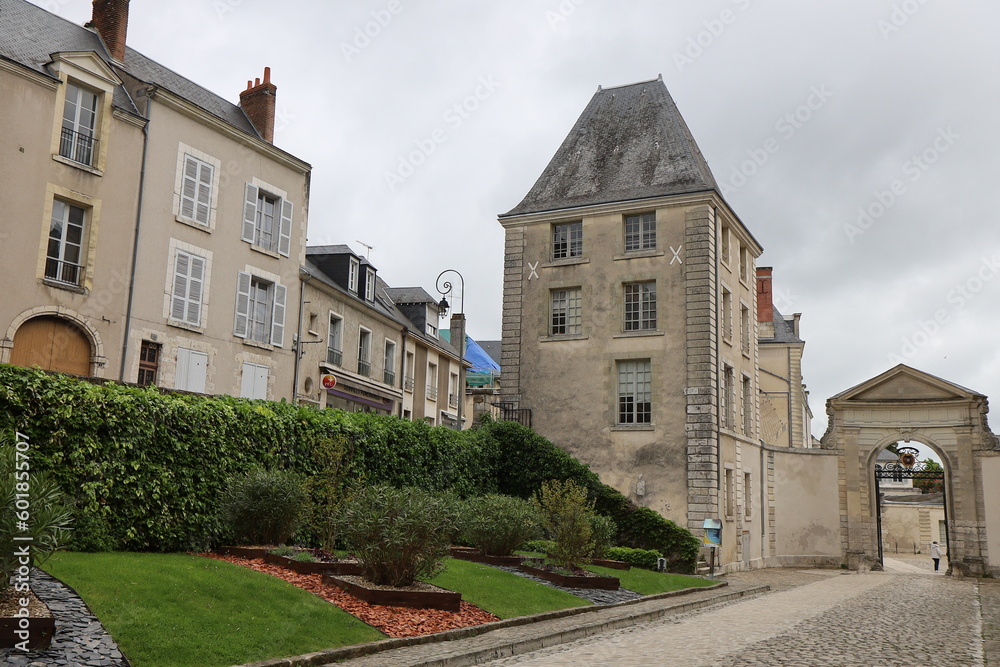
[110,19]
[258,103]
[765,304]
[267,75]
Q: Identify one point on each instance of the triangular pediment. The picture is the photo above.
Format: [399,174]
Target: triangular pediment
[903,383]
[85,61]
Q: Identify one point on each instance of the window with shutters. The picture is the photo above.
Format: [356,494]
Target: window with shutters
[267,219]
[188,288]
[254,384]
[260,310]
[196,190]
[192,367]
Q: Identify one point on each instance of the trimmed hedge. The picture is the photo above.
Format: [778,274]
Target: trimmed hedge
[147,468]
[644,558]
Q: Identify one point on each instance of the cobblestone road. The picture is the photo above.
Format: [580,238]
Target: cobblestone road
[905,617]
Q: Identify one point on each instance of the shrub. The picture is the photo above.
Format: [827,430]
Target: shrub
[497,524]
[399,535]
[45,516]
[643,528]
[566,517]
[604,530]
[328,488]
[645,558]
[539,546]
[263,506]
[282,551]
[303,557]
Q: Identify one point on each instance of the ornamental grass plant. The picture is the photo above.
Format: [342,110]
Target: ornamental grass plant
[497,525]
[399,535]
[264,506]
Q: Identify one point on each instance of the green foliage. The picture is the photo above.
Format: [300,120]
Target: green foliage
[399,535]
[145,470]
[567,518]
[263,506]
[497,524]
[930,485]
[539,546]
[31,506]
[603,529]
[303,557]
[283,550]
[644,558]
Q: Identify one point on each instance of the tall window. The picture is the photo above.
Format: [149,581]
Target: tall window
[567,240]
[748,406]
[149,363]
[64,259]
[747,495]
[354,267]
[196,190]
[260,310]
[730,493]
[389,368]
[640,306]
[727,314]
[77,140]
[335,345]
[566,311]
[408,372]
[453,395]
[640,232]
[745,332]
[267,220]
[189,280]
[364,352]
[432,381]
[727,398]
[744,263]
[724,243]
[634,392]
[369,285]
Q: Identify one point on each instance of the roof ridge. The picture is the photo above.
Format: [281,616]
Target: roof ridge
[601,88]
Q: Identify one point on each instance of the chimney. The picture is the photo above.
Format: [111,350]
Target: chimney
[765,306]
[258,102]
[110,19]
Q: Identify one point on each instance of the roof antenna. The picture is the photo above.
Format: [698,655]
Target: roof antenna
[368,248]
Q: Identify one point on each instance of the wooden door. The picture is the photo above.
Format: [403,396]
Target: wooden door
[52,343]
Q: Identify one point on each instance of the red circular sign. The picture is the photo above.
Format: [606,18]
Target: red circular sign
[329,381]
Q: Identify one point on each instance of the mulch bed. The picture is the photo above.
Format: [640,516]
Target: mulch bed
[393,621]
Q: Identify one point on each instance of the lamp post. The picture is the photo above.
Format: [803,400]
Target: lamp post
[457,328]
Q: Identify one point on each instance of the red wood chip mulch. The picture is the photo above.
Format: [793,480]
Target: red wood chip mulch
[393,621]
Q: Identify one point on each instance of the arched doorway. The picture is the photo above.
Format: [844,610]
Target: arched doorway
[904,404]
[52,343]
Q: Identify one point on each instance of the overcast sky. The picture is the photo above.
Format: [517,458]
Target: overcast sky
[856,139]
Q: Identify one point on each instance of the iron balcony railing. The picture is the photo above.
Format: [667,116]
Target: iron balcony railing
[746,345]
[63,272]
[334,356]
[453,400]
[364,367]
[389,377]
[408,384]
[77,147]
[512,413]
[432,392]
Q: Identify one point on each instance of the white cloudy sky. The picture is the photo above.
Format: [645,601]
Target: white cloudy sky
[904,96]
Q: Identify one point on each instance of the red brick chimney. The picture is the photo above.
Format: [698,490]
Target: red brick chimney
[110,19]
[258,102]
[765,306]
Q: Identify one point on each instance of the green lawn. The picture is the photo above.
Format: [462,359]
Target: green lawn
[648,582]
[175,609]
[501,593]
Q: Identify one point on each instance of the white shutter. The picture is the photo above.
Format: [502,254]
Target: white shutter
[196,281]
[254,382]
[178,300]
[285,231]
[242,305]
[246,386]
[278,316]
[249,213]
[191,370]
[189,189]
[181,376]
[205,177]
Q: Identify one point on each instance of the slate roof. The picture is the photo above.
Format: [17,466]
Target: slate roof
[630,143]
[492,348]
[29,35]
[410,295]
[784,331]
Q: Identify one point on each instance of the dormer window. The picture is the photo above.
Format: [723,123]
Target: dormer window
[77,141]
[369,285]
[352,275]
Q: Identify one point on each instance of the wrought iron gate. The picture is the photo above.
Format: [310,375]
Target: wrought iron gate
[907,466]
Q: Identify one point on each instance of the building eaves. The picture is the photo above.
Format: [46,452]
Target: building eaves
[630,143]
[410,295]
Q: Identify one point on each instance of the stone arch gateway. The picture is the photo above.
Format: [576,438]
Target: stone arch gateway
[909,405]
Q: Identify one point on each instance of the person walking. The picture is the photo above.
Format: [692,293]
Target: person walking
[936,554]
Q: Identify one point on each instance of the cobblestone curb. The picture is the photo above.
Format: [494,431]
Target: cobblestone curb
[526,633]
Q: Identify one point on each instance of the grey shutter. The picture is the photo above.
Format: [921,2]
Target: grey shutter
[285,231]
[278,316]
[195,282]
[178,299]
[205,176]
[242,305]
[249,213]
[189,187]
